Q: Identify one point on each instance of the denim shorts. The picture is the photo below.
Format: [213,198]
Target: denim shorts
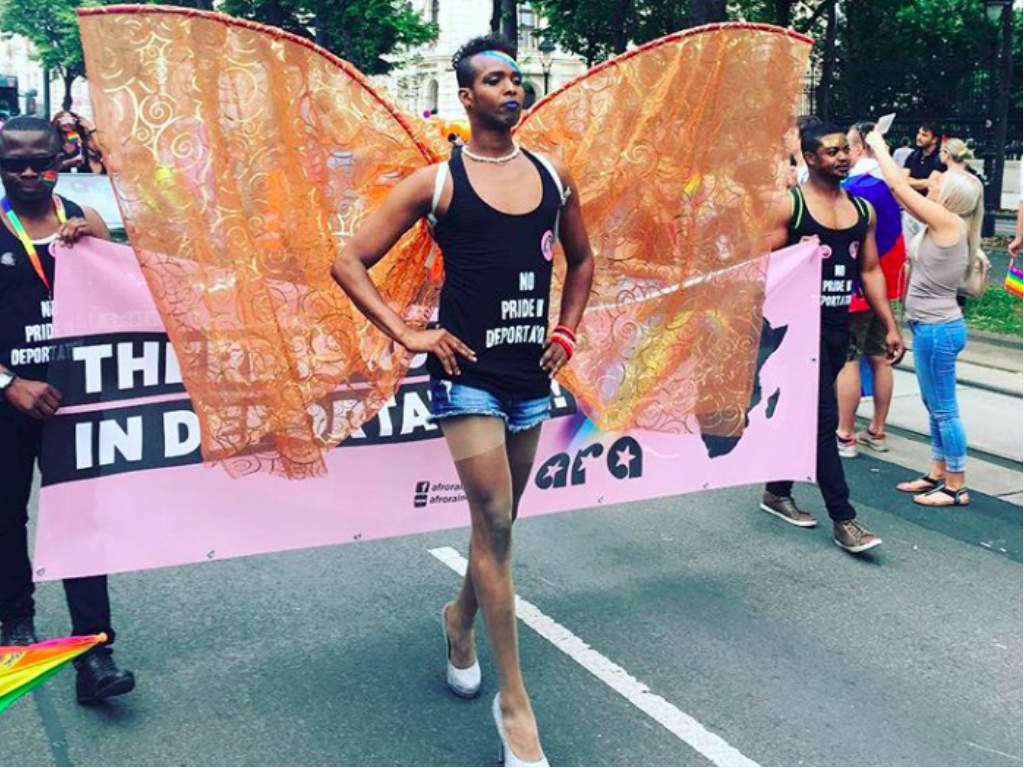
[449,398]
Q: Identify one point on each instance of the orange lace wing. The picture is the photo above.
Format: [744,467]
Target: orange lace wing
[243,158]
[675,148]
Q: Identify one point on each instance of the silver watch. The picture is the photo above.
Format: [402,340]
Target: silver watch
[6,379]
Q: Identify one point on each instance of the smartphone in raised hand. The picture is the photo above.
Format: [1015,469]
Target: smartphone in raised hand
[885,123]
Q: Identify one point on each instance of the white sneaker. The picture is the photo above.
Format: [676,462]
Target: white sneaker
[847,448]
[872,441]
[462,682]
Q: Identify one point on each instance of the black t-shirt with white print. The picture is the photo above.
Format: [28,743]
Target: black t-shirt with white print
[26,308]
[840,256]
[497,286]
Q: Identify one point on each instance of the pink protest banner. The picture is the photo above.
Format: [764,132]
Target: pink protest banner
[124,486]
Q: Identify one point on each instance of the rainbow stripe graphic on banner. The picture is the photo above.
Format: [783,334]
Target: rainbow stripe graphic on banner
[24,667]
[1014,280]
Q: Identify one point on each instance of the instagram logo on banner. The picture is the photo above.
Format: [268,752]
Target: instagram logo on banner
[419,499]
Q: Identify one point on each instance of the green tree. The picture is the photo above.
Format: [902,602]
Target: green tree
[363,32]
[52,28]
[586,29]
[599,29]
[913,56]
[290,15]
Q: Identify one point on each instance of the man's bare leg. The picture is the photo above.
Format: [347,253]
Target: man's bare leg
[487,481]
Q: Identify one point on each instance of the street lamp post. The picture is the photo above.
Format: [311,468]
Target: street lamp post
[46,93]
[547,55]
[1001,10]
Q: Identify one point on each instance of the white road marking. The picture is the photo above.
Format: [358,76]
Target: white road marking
[993,751]
[674,720]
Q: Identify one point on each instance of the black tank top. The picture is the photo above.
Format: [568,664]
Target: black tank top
[840,266]
[26,311]
[497,285]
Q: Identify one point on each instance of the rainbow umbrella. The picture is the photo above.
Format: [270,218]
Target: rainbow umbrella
[23,667]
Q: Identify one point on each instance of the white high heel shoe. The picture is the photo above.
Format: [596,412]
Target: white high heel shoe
[462,682]
[506,756]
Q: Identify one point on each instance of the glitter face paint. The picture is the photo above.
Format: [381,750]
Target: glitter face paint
[834,141]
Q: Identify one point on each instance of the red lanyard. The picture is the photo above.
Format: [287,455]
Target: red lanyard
[26,241]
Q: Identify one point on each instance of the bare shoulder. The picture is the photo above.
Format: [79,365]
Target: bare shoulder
[560,166]
[416,191]
[782,207]
[422,180]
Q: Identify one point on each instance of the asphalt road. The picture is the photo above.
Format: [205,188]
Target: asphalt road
[789,650]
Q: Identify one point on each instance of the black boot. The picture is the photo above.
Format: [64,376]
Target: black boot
[18,632]
[99,678]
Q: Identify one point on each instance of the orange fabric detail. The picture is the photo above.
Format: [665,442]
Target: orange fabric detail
[244,157]
[676,149]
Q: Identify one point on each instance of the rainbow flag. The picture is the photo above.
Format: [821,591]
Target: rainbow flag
[1014,280]
[23,667]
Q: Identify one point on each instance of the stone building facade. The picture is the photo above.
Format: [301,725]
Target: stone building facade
[424,80]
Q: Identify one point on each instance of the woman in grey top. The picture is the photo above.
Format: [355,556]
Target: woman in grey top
[940,256]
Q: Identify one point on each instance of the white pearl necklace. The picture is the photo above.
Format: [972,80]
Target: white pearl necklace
[484,159]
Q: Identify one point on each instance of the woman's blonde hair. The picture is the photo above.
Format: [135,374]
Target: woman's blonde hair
[958,151]
[962,194]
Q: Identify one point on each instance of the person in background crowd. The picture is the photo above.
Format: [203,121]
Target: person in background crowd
[1015,244]
[867,330]
[79,153]
[923,161]
[955,155]
[952,215]
[901,153]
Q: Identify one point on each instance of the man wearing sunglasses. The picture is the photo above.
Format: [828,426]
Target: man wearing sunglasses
[33,217]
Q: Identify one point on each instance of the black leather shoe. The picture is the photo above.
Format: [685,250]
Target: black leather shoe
[18,632]
[99,678]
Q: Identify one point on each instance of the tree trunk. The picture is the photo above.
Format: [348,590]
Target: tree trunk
[272,12]
[69,79]
[783,12]
[320,34]
[47,113]
[622,16]
[828,64]
[707,12]
[510,24]
[505,21]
